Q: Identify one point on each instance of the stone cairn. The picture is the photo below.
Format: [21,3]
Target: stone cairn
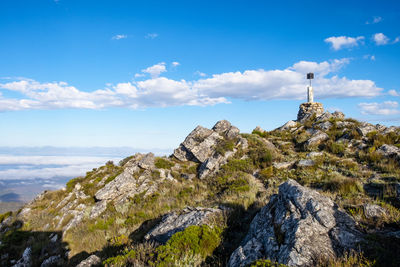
[309,108]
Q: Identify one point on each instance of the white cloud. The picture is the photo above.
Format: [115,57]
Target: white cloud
[156,69]
[371,57]
[199,73]
[385,108]
[119,37]
[175,64]
[393,93]
[380,39]
[375,20]
[151,36]
[158,91]
[341,42]
[396,40]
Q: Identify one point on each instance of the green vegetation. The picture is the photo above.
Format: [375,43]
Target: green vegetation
[5,216]
[189,247]
[163,163]
[265,263]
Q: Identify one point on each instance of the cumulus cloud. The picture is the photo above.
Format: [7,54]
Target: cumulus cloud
[159,91]
[393,93]
[151,36]
[375,20]
[340,42]
[156,69]
[385,108]
[119,37]
[380,39]
[175,64]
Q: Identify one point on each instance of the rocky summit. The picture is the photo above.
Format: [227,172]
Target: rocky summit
[321,190]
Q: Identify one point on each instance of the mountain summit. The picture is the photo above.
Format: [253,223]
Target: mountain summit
[322,190]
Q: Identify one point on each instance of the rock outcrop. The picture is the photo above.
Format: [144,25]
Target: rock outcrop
[90,261]
[200,146]
[175,222]
[297,227]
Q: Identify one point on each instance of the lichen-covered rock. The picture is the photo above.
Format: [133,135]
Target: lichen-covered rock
[175,222]
[389,151]
[287,126]
[90,261]
[316,138]
[365,128]
[373,211]
[126,184]
[296,227]
[199,145]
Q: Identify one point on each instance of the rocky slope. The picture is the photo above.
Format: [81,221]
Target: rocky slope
[323,190]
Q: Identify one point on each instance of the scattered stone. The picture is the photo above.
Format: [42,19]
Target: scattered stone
[188,176]
[373,211]
[52,261]
[53,238]
[297,226]
[225,129]
[307,110]
[315,154]
[90,261]
[282,165]
[174,222]
[306,163]
[338,115]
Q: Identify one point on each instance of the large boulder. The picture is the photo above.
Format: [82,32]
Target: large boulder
[175,222]
[295,228]
[316,138]
[199,145]
[365,128]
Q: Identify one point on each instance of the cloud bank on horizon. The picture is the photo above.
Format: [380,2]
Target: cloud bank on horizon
[160,91]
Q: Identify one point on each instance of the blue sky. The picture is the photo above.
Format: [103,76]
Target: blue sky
[143,74]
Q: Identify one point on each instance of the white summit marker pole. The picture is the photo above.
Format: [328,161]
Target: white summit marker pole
[310,93]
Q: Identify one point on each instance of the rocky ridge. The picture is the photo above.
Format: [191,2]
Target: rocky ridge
[338,183]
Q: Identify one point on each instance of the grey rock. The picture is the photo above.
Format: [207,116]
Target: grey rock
[90,261]
[295,227]
[373,211]
[282,165]
[126,184]
[326,125]
[287,126]
[324,117]
[98,209]
[315,154]
[305,163]
[225,129]
[199,145]
[174,222]
[25,260]
[316,138]
[147,162]
[344,124]
[52,261]
[365,128]
[389,151]
[338,115]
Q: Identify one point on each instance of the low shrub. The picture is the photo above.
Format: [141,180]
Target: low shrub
[189,247]
[163,163]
